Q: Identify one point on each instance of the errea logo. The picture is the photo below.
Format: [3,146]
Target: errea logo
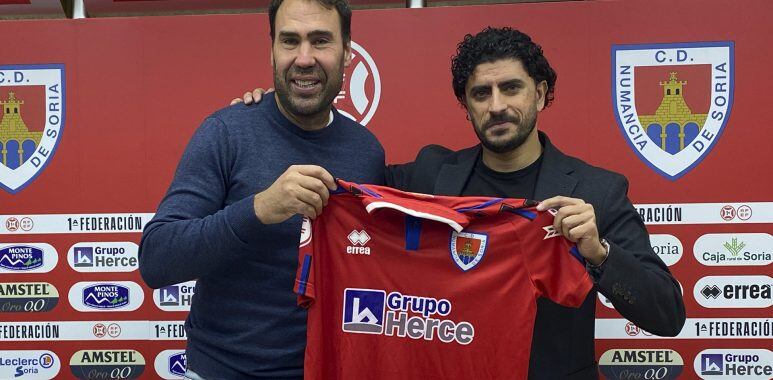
[358,240]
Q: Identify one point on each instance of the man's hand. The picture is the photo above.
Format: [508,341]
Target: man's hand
[301,189]
[252,97]
[576,221]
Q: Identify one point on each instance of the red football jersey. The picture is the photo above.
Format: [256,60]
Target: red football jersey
[412,286]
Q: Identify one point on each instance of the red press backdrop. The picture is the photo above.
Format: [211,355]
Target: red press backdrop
[119,98]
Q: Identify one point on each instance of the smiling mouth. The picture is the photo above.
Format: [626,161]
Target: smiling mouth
[304,84]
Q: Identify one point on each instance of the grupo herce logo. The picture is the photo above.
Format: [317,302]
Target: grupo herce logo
[672,101]
[107,364]
[361,92]
[27,297]
[176,297]
[730,364]
[106,296]
[734,291]
[32,98]
[24,364]
[27,258]
[372,311]
[734,249]
[171,364]
[104,257]
[660,364]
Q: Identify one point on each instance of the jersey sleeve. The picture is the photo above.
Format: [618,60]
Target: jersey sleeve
[555,266]
[304,276]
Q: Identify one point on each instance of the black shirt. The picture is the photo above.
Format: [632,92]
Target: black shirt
[490,183]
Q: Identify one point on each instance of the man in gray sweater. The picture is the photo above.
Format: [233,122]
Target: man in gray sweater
[232,215]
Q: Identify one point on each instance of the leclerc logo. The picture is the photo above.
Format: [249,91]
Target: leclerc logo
[661,364]
[176,297]
[106,296]
[28,365]
[369,311]
[730,364]
[103,257]
[734,291]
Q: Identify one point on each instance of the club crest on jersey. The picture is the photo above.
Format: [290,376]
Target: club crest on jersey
[672,101]
[468,248]
[32,111]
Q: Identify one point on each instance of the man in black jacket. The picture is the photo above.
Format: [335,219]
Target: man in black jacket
[503,80]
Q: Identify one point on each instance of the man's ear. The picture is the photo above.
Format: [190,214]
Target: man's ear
[348,53]
[542,91]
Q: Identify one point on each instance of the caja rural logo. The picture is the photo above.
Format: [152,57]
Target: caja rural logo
[32,102]
[672,101]
[361,91]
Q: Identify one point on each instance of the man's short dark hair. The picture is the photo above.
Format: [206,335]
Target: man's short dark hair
[341,6]
[493,44]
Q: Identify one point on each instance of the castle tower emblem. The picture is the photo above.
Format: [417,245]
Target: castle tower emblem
[673,140]
[25,149]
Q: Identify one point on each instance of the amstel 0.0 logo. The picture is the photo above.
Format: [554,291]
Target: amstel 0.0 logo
[32,103]
[27,297]
[658,363]
[672,101]
[107,364]
[361,90]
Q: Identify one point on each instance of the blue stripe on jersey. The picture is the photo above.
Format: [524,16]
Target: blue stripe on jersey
[525,213]
[304,275]
[576,253]
[412,232]
[480,206]
[368,191]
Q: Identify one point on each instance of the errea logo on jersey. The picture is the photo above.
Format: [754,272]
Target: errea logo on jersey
[372,311]
[358,240]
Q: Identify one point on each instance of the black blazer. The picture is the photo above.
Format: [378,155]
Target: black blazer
[634,278]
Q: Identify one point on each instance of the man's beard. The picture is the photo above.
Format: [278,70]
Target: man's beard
[524,128]
[308,106]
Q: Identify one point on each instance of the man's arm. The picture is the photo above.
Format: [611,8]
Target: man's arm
[194,233]
[634,278]
[630,274]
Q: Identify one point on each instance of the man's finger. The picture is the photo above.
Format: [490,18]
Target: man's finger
[311,199]
[319,173]
[236,101]
[557,202]
[248,99]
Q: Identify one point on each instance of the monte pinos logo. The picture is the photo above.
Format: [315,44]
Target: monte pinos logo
[32,118]
[672,101]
